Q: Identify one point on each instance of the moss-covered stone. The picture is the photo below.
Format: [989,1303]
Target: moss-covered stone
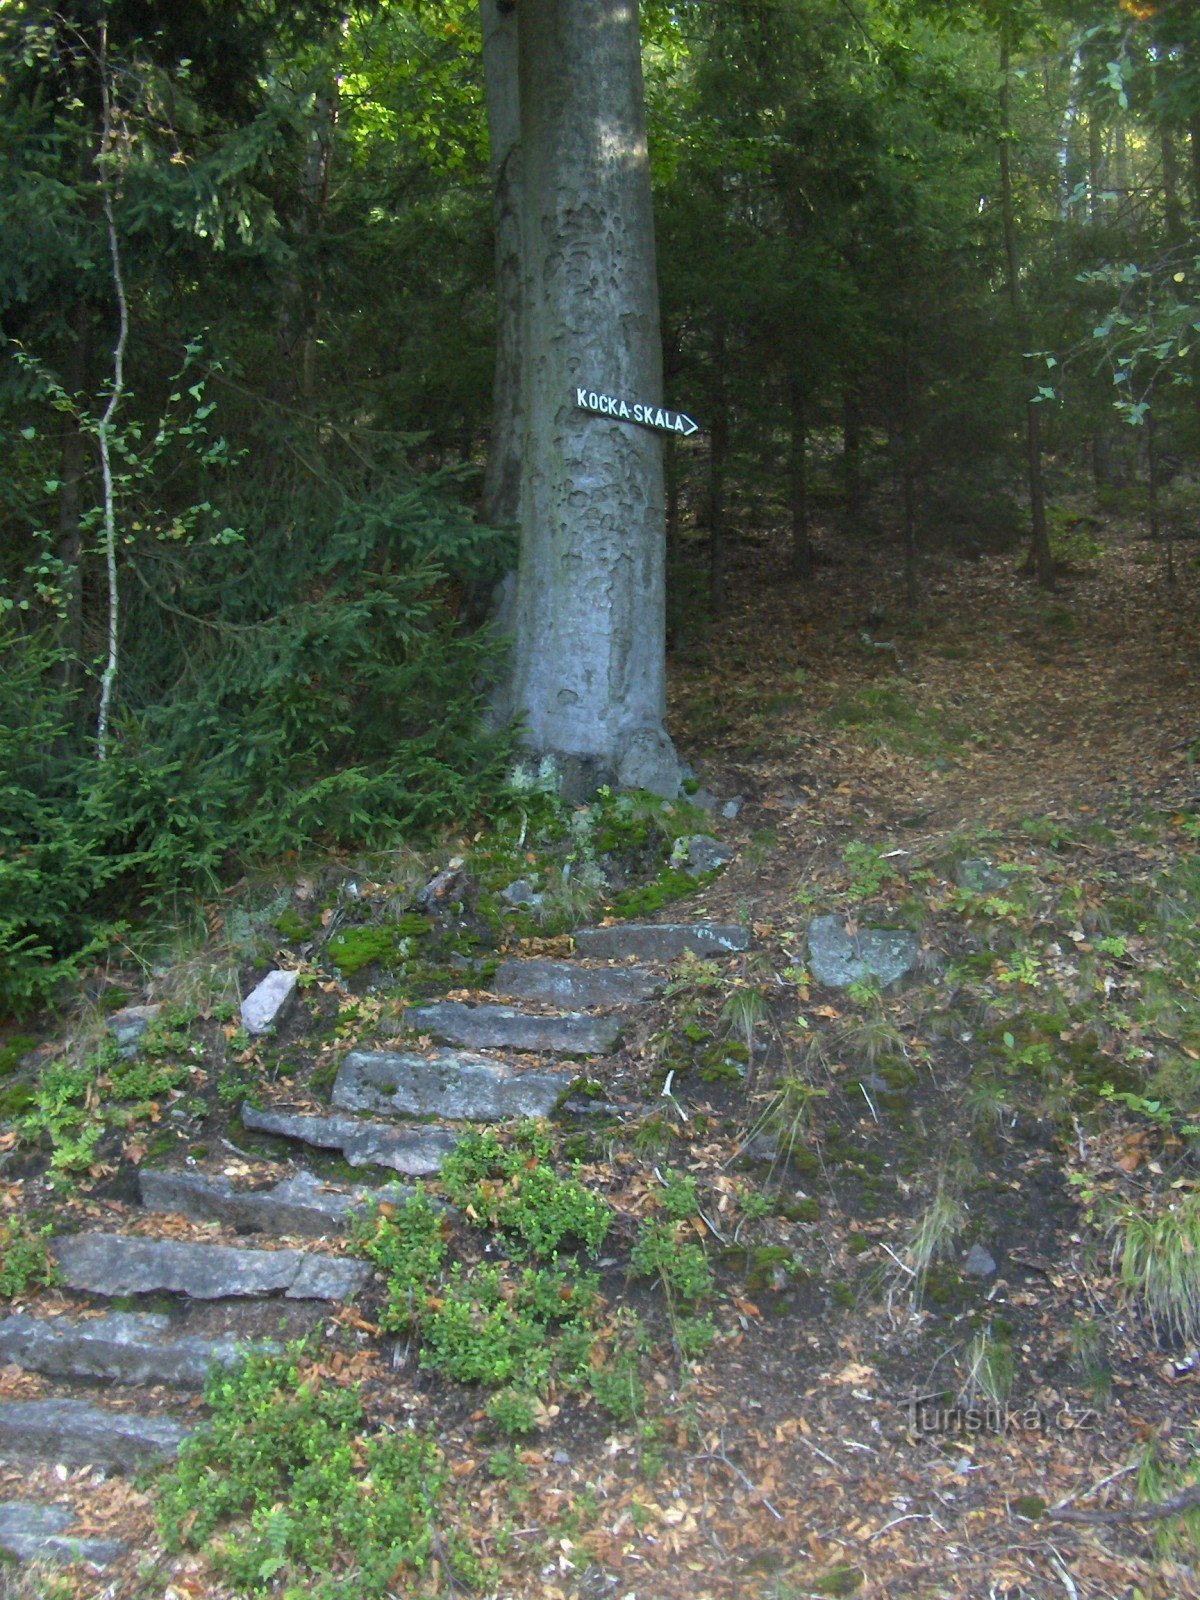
[843,1580]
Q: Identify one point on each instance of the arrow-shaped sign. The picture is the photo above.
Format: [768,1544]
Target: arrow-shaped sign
[610,405]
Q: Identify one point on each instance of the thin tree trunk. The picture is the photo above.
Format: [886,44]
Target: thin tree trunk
[802,551]
[1173,209]
[1152,484]
[1194,150]
[1095,166]
[911,585]
[1101,449]
[299,295]
[108,681]
[72,467]
[718,464]
[1039,548]
[851,453]
[1121,182]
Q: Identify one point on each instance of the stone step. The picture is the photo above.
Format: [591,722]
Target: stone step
[79,1435]
[569,983]
[488,1027]
[36,1533]
[124,1346]
[416,1152]
[459,1087]
[661,941]
[116,1264]
[300,1205]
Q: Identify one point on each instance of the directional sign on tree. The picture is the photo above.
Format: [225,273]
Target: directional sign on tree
[610,405]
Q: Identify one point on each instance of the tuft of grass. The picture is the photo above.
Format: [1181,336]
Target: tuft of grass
[935,1237]
[887,715]
[989,1367]
[1157,1258]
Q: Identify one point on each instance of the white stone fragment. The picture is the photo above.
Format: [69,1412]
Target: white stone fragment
[265,1005]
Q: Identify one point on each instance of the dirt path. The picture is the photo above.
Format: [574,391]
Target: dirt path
[859,1426]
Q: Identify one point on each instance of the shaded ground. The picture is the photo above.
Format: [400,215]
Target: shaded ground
[1050,734]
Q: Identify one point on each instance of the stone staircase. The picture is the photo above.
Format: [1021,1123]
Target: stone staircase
[111,1363]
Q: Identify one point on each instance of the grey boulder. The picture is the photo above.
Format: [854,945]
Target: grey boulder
[837,958]
[979,1263]
[981,877]
[702,853]
[128,1025]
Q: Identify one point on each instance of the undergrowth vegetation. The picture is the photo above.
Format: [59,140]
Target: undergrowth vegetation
[286,1485]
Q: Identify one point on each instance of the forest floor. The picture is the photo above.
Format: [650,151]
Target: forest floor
[876,1416]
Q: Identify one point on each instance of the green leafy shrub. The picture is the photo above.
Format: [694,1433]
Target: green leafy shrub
[513,1188]
[681,1265]
[50,870]
[24,1260]
[285,1482]
[407,1244]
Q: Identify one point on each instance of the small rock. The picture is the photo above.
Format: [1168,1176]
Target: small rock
[128,1025]
[520,893]
[978,1264]
[705,854]
[35,1533]
[703,800]
[761,1147]
[448,885]
[661,941]
[838,959]
[732,806]
[80,1435]
[873,1083]
[264,1006]
[981,877]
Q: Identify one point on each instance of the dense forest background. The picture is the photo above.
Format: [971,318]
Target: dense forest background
[927,271]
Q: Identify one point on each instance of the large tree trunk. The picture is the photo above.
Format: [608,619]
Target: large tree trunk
[589,616]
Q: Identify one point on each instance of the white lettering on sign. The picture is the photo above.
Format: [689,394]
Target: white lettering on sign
[610,405]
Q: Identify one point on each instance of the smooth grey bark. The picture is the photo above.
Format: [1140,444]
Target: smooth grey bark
[502,476]
[588,672]
[1039,544]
